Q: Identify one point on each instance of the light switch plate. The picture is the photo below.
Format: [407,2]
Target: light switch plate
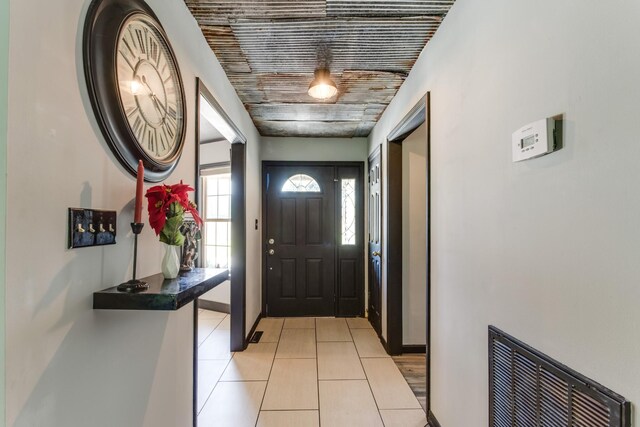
[91,227]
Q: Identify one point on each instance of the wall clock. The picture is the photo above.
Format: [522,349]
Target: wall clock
[134,85]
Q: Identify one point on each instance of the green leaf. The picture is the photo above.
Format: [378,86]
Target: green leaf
[171,234]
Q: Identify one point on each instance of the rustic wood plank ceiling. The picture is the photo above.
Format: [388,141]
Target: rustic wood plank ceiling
[269,49]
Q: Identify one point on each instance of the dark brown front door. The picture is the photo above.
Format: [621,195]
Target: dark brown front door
[375,247]
[300,234]
[314,239]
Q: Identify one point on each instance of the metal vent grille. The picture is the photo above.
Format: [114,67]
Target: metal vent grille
[529,389]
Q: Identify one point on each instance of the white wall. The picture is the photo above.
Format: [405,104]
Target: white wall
[545,249]
[215,152]
[220,294]
[69,365]
[317,149]
[414,237]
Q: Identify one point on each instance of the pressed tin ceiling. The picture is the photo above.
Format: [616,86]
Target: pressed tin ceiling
[270,49]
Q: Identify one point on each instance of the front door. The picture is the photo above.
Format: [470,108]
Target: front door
[314,239]
[375,247]
[300,233]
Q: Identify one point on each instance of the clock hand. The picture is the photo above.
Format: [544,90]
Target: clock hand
[144,82]
[157,101]
[154,98]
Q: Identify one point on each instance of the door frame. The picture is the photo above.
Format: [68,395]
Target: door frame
[419,114]
[238,341]
[361,227]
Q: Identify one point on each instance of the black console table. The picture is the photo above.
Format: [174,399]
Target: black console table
[162,294]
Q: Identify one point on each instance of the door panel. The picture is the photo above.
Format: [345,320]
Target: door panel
[375,246]
[350,240]
[301,260]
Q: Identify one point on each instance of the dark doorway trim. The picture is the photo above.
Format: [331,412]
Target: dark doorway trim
[394,247]
[238,247]
[418,115]
[360,210]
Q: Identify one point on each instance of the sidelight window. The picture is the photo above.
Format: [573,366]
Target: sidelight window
[301,184]
[348,211]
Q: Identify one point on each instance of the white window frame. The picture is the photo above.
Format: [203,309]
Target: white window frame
[204,175]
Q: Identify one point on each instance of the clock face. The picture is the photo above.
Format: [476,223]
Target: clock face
[134,85]
[149,88]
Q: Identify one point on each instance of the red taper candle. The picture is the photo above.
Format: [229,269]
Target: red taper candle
[137,217]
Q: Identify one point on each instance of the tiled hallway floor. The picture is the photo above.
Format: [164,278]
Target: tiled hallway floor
[304,372]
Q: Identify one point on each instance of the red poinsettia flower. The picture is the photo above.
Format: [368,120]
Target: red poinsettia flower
[192,208]
[160,207]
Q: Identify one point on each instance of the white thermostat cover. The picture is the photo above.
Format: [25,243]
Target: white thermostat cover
[534,140]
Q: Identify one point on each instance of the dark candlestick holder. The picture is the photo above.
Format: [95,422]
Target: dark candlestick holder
[134,285]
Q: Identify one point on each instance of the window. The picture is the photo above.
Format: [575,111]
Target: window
[217,219]
[301,184]
[348,211]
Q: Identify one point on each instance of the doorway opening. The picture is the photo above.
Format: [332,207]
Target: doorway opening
[220,194]
[405,248]
[313,239]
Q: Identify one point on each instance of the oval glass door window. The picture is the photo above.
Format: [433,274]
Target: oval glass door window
[301,184]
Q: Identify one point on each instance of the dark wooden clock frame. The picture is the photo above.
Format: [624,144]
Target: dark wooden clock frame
[102,27]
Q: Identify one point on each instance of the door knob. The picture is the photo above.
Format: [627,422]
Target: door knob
[375,253]
[271,252]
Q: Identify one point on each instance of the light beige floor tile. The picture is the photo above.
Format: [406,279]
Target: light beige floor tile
[330,329]
[288,419]
[390,389]
[358,323]
[403,417]
[216,346]
[253,364]
[300,323]
[210,314]
[339,361]
[292,385]
[225,325]
[347,403]
[209,372]
[233,404]
[205,327]
[271,328]
[368,343]
[297,344]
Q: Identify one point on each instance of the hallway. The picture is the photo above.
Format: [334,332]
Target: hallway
[304,372]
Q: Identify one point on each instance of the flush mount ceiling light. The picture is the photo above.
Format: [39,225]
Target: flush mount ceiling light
[322,87]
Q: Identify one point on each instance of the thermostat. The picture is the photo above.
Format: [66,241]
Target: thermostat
[536,139]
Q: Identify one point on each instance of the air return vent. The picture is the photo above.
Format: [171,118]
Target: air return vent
[529,389]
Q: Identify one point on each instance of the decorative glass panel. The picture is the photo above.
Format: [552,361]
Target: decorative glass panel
[349,211]
[301,184]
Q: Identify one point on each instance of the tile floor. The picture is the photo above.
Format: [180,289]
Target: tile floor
[304,372]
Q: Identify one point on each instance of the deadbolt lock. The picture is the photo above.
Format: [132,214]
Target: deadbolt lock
[271,241]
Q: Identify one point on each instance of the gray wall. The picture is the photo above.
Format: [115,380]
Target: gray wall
[215,152]
[414,237]
[67,364]
[545,249]
[4,67]
[321,149]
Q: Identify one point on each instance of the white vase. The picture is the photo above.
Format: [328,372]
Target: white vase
[171,261]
